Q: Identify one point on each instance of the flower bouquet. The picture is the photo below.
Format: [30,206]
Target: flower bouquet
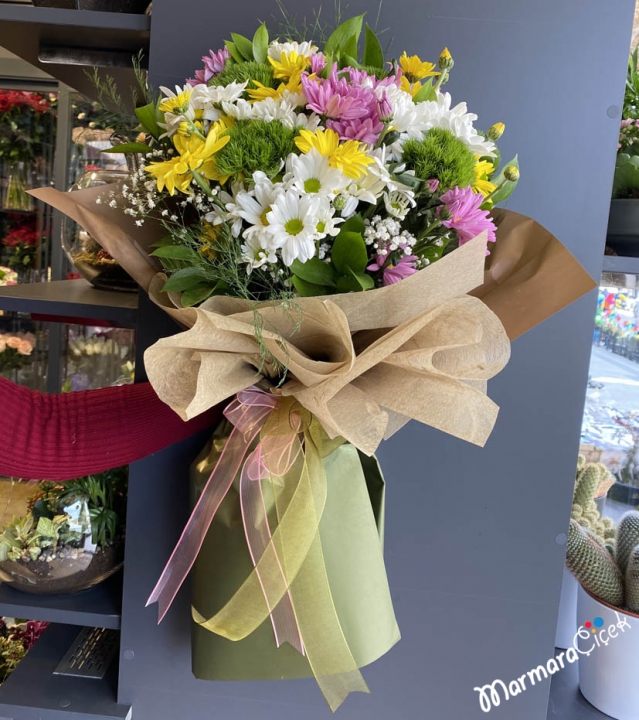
[26,123]
[22,238]
[323,223]
[15,351]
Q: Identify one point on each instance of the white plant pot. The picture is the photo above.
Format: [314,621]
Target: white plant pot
[609,675]
[567,618]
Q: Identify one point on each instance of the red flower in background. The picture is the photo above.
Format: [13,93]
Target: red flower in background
[25,233]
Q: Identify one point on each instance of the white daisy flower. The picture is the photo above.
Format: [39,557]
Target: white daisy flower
[275,109]
[205,98]
[293,225]
[255,206]
[240,110]
[398,204]
[404,109]
[307,122]
[255,252]
[312,174]
[304,48]
[346,204]
[217,216]
[327,223]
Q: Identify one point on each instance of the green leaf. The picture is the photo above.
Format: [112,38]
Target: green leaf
[314,271]
[235,53]
[307,289]
[46,527]
[244,46]
[349,253]
[355,282]
[342,34]
[176,252]
[348,61]
[427,93]
[260,44]
[373,53]
[504,192]
[163,242]
[350,47]
[148,117]
[353,224]
[184,279]
[130,147]
[196,294]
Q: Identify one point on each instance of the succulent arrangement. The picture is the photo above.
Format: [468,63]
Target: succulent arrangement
[17,637]
[609,571]
[61,516]
[593,480]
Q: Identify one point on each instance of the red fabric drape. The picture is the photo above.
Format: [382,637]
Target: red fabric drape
[60,437]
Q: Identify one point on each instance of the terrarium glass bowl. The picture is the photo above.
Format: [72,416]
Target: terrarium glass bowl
[56,556]
[90,259]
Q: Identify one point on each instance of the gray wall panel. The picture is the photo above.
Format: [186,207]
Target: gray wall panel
[470,541]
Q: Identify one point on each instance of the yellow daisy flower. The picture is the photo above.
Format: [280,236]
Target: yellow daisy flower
[411,88]
[195,154]
[173,174]
[349,156]
[482,184]
[289,64]
[178,103]
[261,92]
[415,68]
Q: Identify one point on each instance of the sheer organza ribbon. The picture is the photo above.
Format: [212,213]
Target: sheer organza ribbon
[289,581]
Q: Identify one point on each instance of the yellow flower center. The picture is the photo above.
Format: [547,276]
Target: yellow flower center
[321,226]
[263,216]
[312,185]
[294,226]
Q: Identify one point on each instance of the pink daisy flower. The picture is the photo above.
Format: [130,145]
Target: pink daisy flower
[466,217]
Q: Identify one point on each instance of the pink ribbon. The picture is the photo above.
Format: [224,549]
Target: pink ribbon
[273,456]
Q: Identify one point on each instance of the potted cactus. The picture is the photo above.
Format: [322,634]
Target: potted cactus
[591,484]
[608,574]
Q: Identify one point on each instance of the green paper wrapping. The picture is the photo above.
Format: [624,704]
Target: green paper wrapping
[351,532]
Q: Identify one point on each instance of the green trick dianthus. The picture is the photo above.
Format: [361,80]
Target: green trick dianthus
[241,72]
[443,156]
[255,145]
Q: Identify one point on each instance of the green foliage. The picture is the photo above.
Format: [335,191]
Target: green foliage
[505,188]
[255,145]
[632,581]
[584,508]
[243,71]
[443,156]
[344,37]
[426,93]
[244,46]
[105,495]
[631,97]
[46,526]
[627,538]
[345,272]
[592,565]
[260,44]
[626,180]
[314,271]
[373,53]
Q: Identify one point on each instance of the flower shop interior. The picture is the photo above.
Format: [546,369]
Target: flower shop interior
[509,564]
